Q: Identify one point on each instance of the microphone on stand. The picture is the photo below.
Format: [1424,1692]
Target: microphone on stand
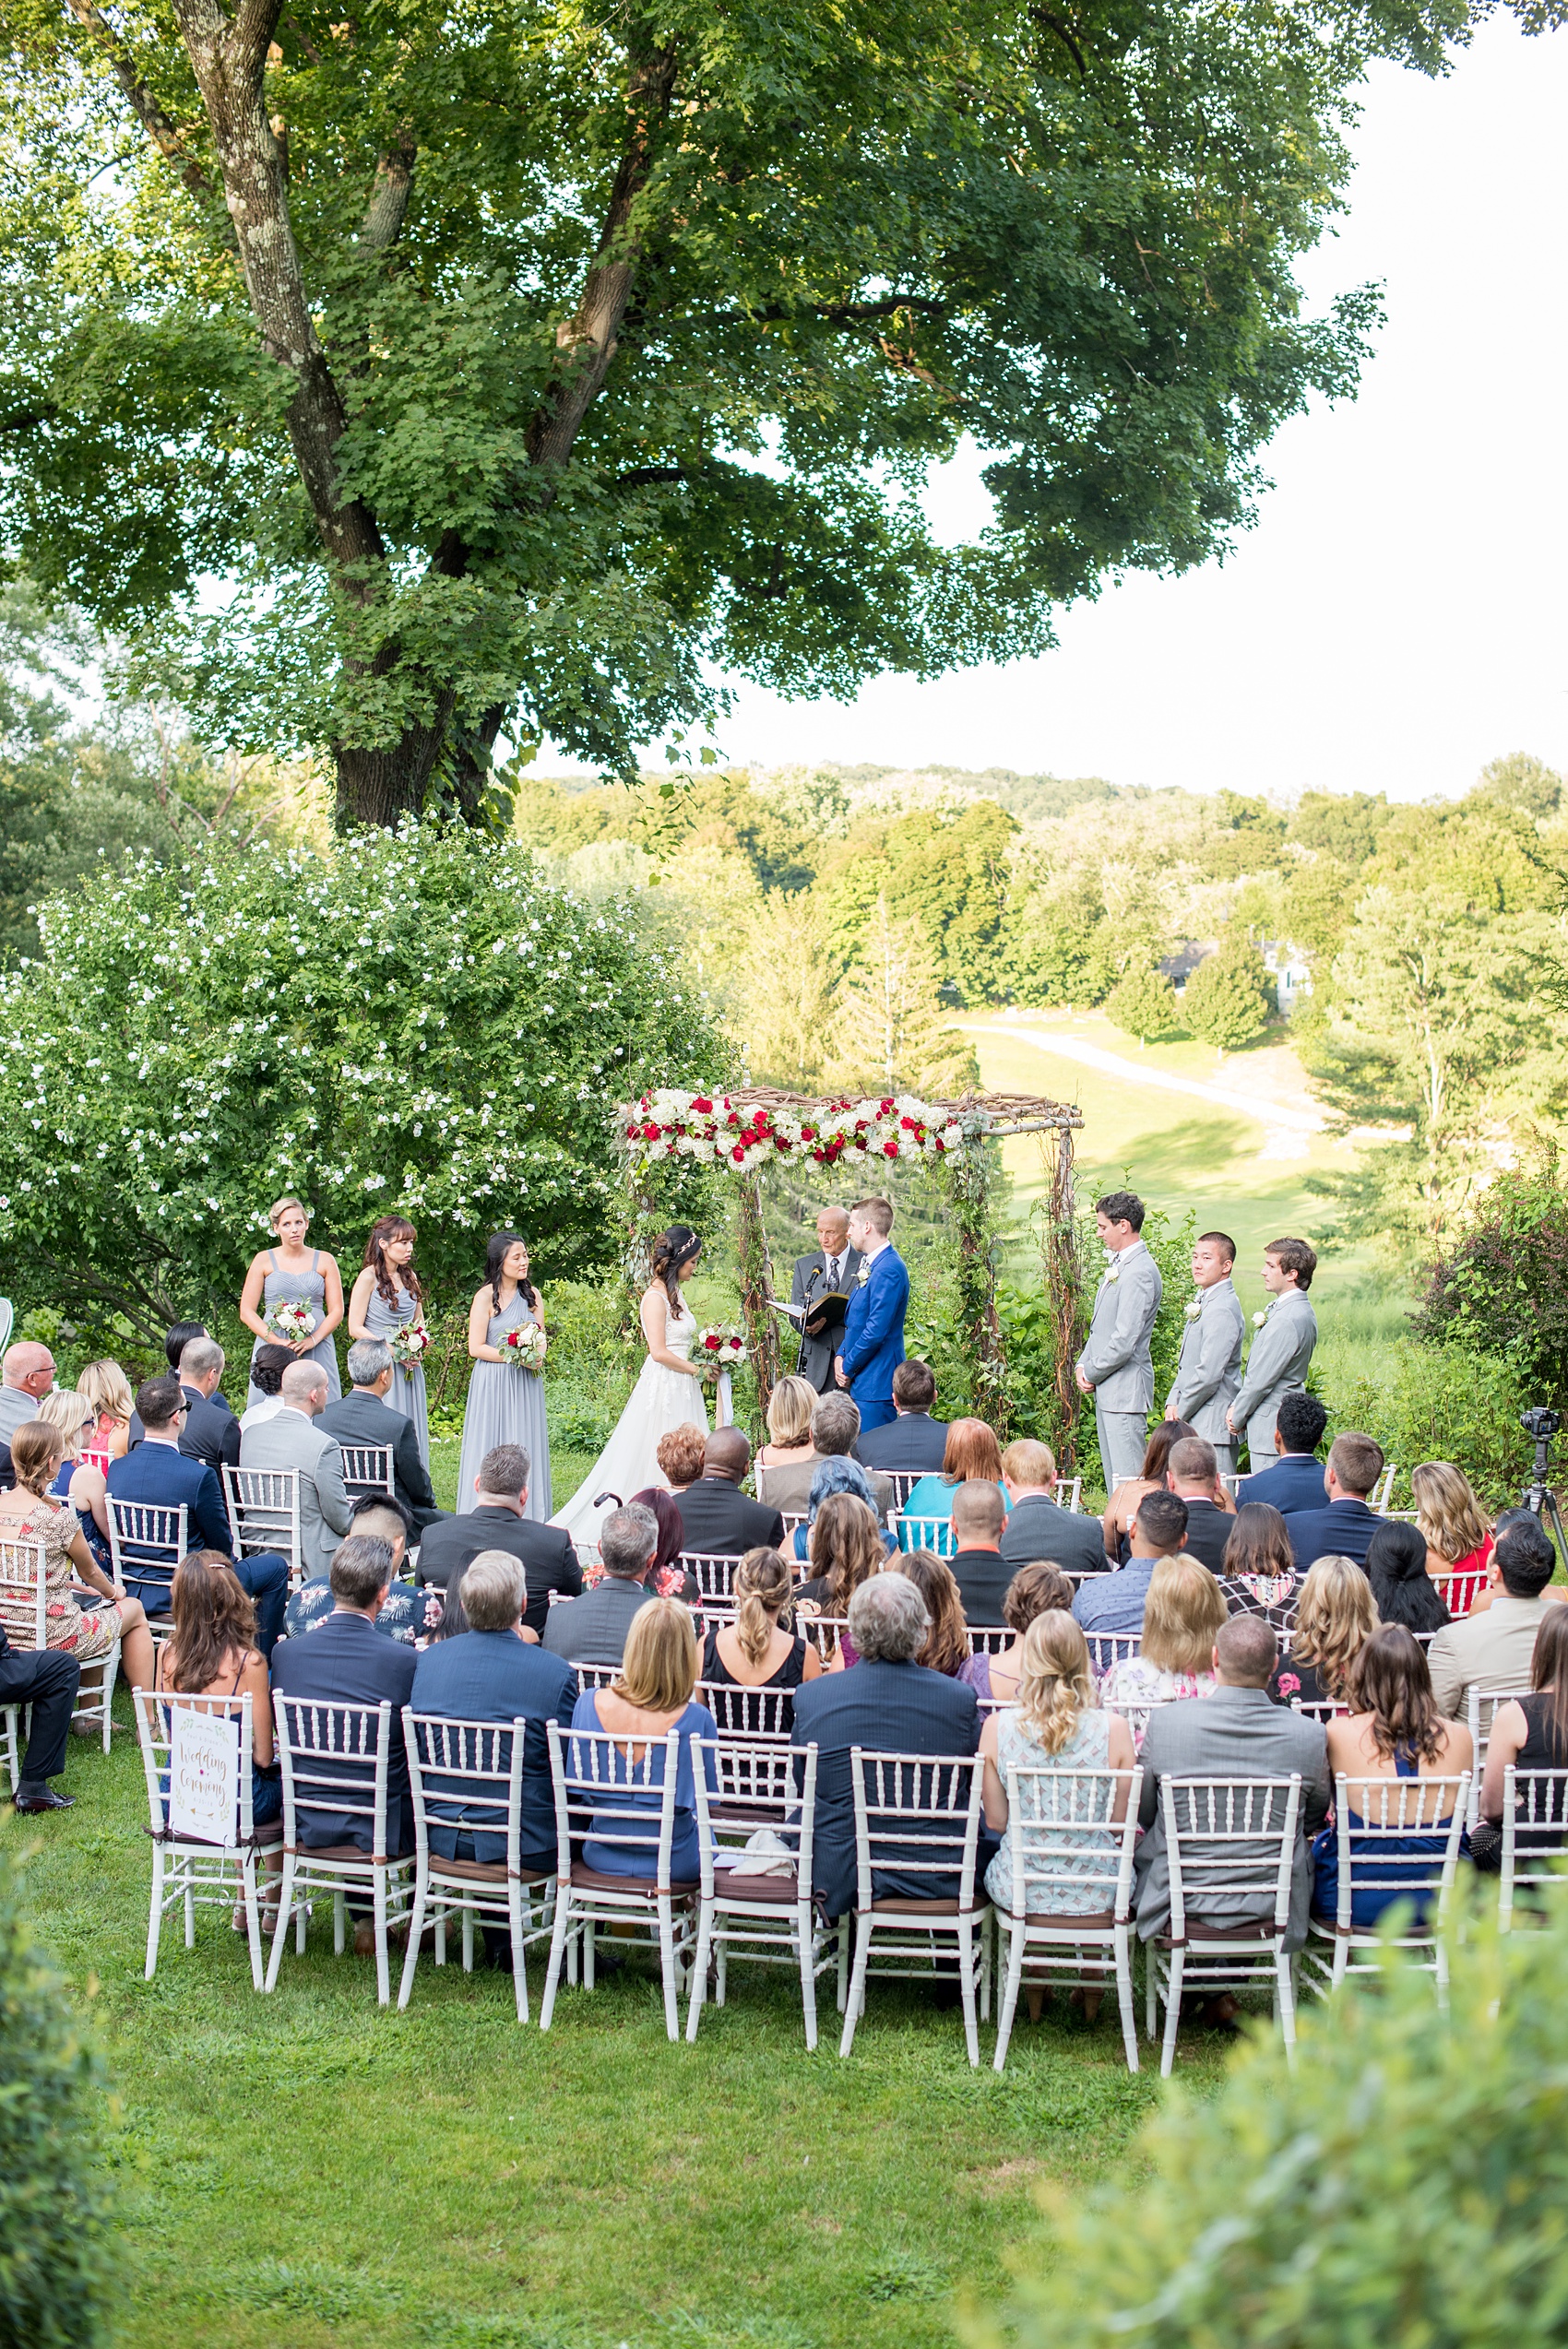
[812,1278]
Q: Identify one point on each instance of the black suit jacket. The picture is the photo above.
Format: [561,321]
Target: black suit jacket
[211,1432]
[719,1522]
[1342,1530]
[359,1416]
[1039,1528]
[982,1576]
[346,1661]
[913,1440]
[890,1708]
[548,1558]
[1208,1530]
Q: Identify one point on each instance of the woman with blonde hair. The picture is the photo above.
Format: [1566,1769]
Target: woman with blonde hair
[80,1481]
[757,1650]
[1454,1528]
[1336,1616]
[1036,1589]
[1183,1613]
[789,1444]
[946,1648]
[26,1513]
[971,1452]
[292,1280]
[845,1551]
[650,1696]
[108,1393]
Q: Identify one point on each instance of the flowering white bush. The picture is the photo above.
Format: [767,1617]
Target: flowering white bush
[413,1022]
[712,1130]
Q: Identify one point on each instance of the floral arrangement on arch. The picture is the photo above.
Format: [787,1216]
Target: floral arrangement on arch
[715,1131]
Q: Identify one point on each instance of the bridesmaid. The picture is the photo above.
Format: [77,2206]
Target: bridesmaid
[388,1298]
[505,1402]
[293,1273]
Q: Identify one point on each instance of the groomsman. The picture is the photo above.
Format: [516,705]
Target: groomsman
[1115,1366]
[1209,1370]
[874,1327]
[1282,1351]
[836,1265]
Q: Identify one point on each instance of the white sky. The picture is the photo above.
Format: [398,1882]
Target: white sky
[1396,617]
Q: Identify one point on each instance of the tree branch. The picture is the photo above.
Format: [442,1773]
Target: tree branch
[143,104]
[389,197]
[831,314]
[1044,18]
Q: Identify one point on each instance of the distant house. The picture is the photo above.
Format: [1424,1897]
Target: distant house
[1286,965]
[1179,968]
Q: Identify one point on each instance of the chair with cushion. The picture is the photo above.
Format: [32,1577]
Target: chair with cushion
[335,1760]
[591,1802]
[1228,1840]
[471,1770]
[23,1603]
[758,1903]
[1056,1825]
[1376,1856]
[918,1817]
[194,1871]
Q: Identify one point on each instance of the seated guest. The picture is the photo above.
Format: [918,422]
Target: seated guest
[1257,1572]
[211,1432]
[592,1628]
[499,1521]
[1057,1723]
[971,1453]
[1038,1526]
[1115,1602]
[652,1696]
[679,1455]
[108,1393]
[839,1475]
[845,1551]
[79,1481]
[1191,1473]
[349,1662]
[1459,1536]
[756,1651]
[1346,1528]
[158,1474]
[1396,1732]
[178,1336]
[1236,1732]
[1183,1615]
[363,1416]
[788,1445]
[669,1578]
[946,1648]
[83,1627]
[1036,1589]
[836,1427]
[1527,1733]
[212,1652]
[47,1680]
[489,1673]
[1395,1566]
[409,1614]
[911,1439]
[293,1439]
[719,1521]
[1336,1616]
[1295,1480]
[1494,1650]
[980,1570]
[1116,1526]
[267,1366]
[889,1703]
[27,1374]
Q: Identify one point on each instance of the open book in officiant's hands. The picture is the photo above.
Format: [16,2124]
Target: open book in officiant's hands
[818,1313]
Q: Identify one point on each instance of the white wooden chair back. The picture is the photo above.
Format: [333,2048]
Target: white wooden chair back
[1480,1712]
[188,1870]
[917,1817]
[1071,1871]
[11,1741]
[264,1513]
[903,1481]
[367,1467]
[1381,1492]
[1535,1831]
[1373,1857]
[23,1593]
[1323,1709]
[1230,1478]
[146,1544]
[336,1763]
[821,1632]
[767,1713]
[793,1520]
[767,1913]
[1107,1649]
[1070,1494]
[990,1639]
[1459,1591]
[467,1775]
[714,1575]
[753,1778]
[597,1780]
[1228,1840]
[596,1675]
[935,1534]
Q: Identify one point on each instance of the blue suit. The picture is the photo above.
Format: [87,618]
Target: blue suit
[494,1676]
[164,1478]
[1294,1482]
[873,1336]
[1342,1530]
[894,1708]
[348,1661]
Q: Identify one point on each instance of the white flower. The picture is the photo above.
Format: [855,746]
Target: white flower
[1194,1308]
[1258,1320]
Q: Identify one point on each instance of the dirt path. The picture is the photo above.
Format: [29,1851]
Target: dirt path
[1288,1123]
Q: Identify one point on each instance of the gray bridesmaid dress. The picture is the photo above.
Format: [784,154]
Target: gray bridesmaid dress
[506,1405]
[281,1287]
[384,1321]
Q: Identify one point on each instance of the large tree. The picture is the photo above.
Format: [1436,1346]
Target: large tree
[390,378]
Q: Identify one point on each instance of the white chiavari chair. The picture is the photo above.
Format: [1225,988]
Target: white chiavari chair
[146,1544]
[597,1785]
[1070,1494]
[1230,1844]
[191,1871]
[336,1763]
[1072,1870]
[1389,1814]
[767,1713]
[1534,1833]
[1381,1492]
[24,1610]
[1460,1589]
[714,1575]
[917,1820]
[367,1467]
[264,1513]
[1107,1649]
[467,1775]
[1480,1712]
[758,1903]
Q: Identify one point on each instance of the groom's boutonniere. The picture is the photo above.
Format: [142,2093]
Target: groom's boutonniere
[863,1274]
[1194,1308]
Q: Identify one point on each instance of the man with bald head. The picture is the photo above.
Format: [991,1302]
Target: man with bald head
[830,1272]
[716,1516]
[26,1376]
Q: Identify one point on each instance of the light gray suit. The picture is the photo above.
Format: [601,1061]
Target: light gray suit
[1209,1371]
[1233,1733]
[1117,1363]
[1277,1366]
[289,1440]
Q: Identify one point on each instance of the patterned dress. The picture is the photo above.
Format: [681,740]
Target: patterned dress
[1092,1858]
[87,1632]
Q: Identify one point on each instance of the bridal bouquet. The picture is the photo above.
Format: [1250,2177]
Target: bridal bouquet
[719,1348]
[290,1320]
[524,1346]
[410,1344]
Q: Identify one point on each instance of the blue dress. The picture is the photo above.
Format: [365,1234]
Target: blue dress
[638,1854]
[506,1405]
[1414,1861]
[932,1497]
[281,1287]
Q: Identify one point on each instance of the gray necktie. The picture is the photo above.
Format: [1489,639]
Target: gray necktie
[833,1271]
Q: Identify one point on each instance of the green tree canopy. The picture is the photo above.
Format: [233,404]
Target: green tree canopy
[1229,996]
[524,369]
[1144,1004]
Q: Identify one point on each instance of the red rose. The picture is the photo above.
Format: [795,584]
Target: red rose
[650,1133]
[884,1106]
[703,1108]
[781,1142]
[907,1124]
[890,1149]
[713,1343]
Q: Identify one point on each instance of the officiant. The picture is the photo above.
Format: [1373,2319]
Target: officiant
[827,1274]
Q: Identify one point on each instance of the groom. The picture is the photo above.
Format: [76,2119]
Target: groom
[873,1326]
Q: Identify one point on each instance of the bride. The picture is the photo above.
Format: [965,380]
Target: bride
[667,1394]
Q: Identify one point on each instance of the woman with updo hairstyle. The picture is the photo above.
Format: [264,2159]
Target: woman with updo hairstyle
[505,1402]
[946,1648]
[387,1297]
[292,1274]
[845,1551]
[108,1392]
[1038,1588]
[267,1366]
[1396,1569]
[26,1513]
[760,1649]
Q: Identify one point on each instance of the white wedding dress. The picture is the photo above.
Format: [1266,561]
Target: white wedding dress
[661,1401]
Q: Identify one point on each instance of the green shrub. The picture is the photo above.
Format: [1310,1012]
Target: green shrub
[1503,1289]
[1404,2188]
[1144,1004]
[54,2196]
[1440,1404]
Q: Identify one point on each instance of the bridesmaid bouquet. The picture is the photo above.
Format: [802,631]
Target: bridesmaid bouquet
[410,1344]
[290,1320]
[524,1346]
[719,1348]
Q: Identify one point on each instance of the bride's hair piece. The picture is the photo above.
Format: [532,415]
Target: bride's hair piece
[763,1589]
[496,1257]
[672,1249]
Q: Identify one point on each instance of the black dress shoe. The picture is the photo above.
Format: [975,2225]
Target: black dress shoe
[47,1800]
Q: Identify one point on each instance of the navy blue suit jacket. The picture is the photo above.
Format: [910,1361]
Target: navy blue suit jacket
[1342,1530]
[872,1344]
[888,1708]
[1294,1483]
[494,1676]
[912,1440]
[159,1474]
[346,1661]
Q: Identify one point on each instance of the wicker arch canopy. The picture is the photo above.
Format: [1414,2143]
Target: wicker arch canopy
[743,1131]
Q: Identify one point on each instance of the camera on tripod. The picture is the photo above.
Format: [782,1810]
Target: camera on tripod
[1541,1423]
